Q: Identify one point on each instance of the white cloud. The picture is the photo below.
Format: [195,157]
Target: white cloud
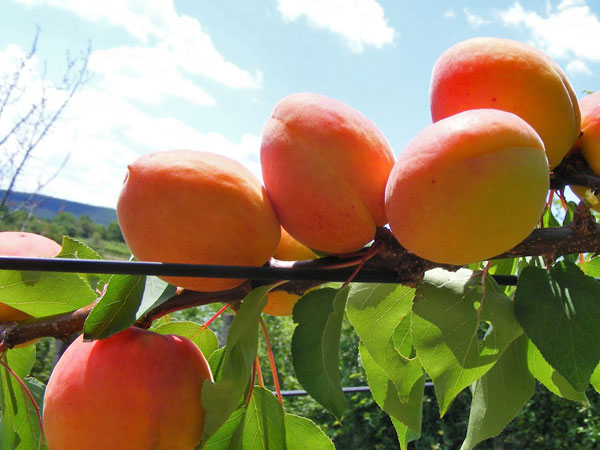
[160,29]
[450,14]
[569,31]
[360,22]
[578,67]
[473,19]
[103,132]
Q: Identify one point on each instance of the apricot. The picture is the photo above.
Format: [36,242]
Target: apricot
[589,142]
[468,187]
[134,390]
[185,206]
[282,303]
[511,76]
[23,244]
[325,166]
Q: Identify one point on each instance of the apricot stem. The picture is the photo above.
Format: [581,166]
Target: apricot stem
[261,381]
[213,318]
[27,392]
[271,361]
[372,251]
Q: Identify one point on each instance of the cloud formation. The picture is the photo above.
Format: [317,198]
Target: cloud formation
[360,22]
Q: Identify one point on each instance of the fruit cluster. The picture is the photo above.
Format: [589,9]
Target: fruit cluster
[468,187]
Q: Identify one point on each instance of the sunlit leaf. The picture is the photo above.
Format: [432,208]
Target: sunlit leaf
[75,249]
[375,311]
[222,439]
[447,314]
[203,337]
[222,398]
[302,434]
[116,309]
[264,426]
[386,396]
[156,293]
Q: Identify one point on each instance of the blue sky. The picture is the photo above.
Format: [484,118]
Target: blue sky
[205,75]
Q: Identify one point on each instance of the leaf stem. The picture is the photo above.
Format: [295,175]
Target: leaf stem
[272,361]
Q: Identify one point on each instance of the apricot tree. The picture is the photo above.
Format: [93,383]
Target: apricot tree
[511,312]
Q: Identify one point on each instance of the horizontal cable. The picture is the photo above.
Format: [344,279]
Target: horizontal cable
[207,270]
[345,390]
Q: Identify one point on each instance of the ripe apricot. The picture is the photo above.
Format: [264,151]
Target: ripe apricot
[186,206]
[468,187]
[325,166]
[23,244]
[589,142]
[282,303]
[511,76]
[134,390]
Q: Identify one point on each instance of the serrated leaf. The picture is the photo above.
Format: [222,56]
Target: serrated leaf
[549,377]
[404,434]
[72,248]
[117,308]
[264,427]
[302,434]
[375,311]
[44,293]
[156,292]
[560,311]
[500,394]
[316,344]
[447,313]
[204,338]
[386,396]
[220,399]
[19,427]
[223,437]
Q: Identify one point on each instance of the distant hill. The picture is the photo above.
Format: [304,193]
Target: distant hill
[49,206]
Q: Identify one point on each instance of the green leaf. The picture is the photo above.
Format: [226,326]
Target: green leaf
[405,434]
[445,325]
[224,436]
[116,309]
[44,293]
[223,397]
[74,249]
[595,379]
[19,426]
[549,377]
[215,361]
[264,426]
[375,311]
[500,394]
[560,311]
[204,338]
[156,293]
[302,434]
[316,344]
[592,267]
[548,219]
[386,396]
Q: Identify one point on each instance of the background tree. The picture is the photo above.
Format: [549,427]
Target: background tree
[28,112]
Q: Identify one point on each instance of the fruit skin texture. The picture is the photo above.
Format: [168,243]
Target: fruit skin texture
[185,206]
[29,245]
[134,390]
[325,166]
[511,76]
[281,303]
[468,187]
[589,142]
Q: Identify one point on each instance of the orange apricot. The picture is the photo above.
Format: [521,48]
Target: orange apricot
[281,303]
[589,141]
[325,166]
[23,244]
[186,206]
[134,390]
[468,187]
[511,76]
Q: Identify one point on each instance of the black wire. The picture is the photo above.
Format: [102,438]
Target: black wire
[207,270]
[345,390]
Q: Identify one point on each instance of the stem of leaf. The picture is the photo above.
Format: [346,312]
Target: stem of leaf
[271,361]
